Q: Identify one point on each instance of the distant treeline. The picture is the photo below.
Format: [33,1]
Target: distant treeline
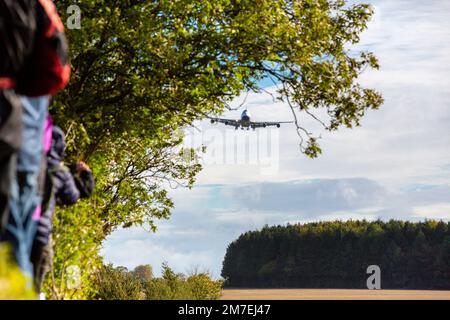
[337,254]
[139,284]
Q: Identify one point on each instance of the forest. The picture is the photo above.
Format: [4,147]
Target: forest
[411,255]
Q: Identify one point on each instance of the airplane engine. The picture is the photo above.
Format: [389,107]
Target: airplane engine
[212,121]
[278,125]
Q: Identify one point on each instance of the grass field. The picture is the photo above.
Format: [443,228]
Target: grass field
[332,294]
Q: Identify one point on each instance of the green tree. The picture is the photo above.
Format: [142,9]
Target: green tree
[13,284]
[337,254]
[202,287]
[177,286]
[120,284]
[143,70]
[117,284]
[143,272]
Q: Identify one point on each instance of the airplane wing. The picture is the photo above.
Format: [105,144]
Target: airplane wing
[268,124]
[227,122]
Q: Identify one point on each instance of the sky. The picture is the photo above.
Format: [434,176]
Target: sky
[395,166]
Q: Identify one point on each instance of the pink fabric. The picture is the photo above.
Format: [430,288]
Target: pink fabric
[48,134]
[37,213]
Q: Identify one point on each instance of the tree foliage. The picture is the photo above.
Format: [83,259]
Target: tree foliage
[13,284]
[337,254]
[143,272]
[117,284]
[143,70]
[120,284]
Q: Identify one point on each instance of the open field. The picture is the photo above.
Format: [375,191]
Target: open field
[332,294]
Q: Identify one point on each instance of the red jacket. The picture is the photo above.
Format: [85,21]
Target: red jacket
[49,70]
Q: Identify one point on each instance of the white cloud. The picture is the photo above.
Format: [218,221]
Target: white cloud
[143,249]
[438,211]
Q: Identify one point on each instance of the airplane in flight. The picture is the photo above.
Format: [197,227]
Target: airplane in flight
[245,122]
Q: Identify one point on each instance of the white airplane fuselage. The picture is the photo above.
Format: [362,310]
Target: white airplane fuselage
[245,119]
[245,122]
